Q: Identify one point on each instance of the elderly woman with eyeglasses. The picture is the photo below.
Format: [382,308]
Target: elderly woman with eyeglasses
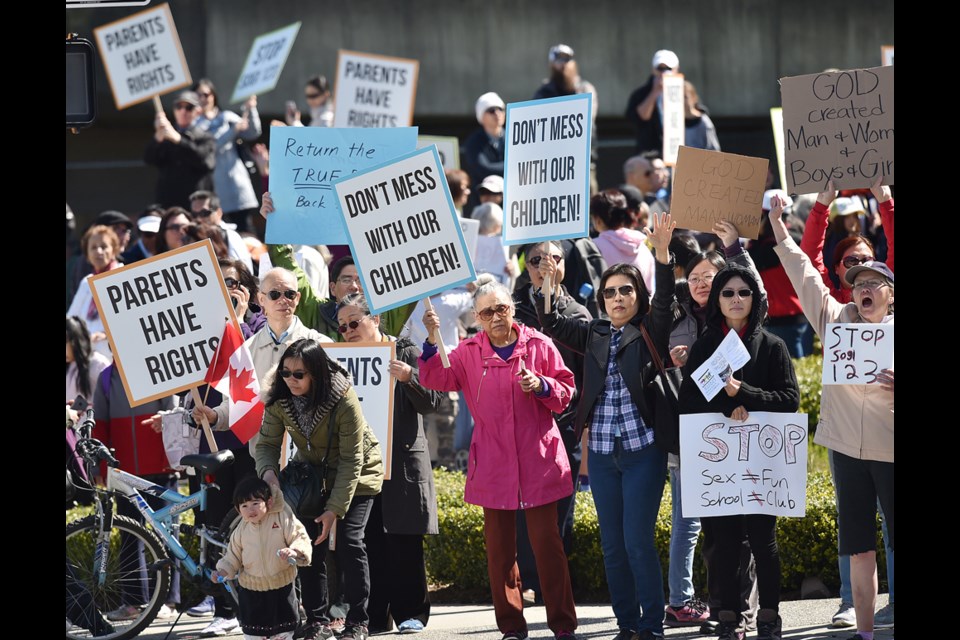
[514,380]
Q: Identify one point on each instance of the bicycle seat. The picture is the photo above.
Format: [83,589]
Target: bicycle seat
[208,462]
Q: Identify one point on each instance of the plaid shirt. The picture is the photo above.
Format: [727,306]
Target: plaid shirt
[615,415]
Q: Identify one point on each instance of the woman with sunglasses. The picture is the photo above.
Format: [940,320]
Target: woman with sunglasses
[766,383]
[514,380]
[243,291]
[406,509]
[313,401]
[856,421]
[626,470]
[173,226]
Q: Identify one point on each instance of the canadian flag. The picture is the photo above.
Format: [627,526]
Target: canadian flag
[232,374]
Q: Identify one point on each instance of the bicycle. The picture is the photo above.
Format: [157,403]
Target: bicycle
[111,558]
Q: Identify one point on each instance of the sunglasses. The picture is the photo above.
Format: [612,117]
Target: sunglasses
[352,325]
[500,310]
[852,261]
[183,106]
[535,260]
[625,290]
[232,283]
[286,373]
[289,294]
[203,213]
[312,96]
[494,109]
[743,293]
[175,227]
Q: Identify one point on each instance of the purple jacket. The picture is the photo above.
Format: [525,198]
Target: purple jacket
[517,459]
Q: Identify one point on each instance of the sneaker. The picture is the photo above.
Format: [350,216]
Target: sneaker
[410,626]
[845,616]
[515,635]
[729,627]
[220,627]
[709,627]
[883,619]
[166,611]
[355,632]
[123,612]
[337,625]
[626,634]
[205,608]
[692,613]
[316,631]
[769,625]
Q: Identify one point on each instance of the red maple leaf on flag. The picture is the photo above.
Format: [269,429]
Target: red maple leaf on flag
[240,385]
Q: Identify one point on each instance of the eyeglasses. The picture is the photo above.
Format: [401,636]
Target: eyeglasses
[535,260]
[286,373]
[494,110]
[184,106]
[873,285]
[203,213]
[289,294]
[851,261]
[562,60]
[625,290]
[352,326]
[500,310]
[349,279]
[743,293]
[232,283]
[313,96]
[697,281]
[664,68]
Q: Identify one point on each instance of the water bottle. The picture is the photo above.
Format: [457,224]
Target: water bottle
[586,290]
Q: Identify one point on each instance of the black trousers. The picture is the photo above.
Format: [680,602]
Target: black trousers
[398,576]
[727,533]
[351,556]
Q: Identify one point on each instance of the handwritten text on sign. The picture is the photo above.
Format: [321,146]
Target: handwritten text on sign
[840,126]
[142,56]
[265,62]
[374,91]
[709,186]
[732,468]
[305,162]
[164,317]
[547,169]
[855,353]
[404,232]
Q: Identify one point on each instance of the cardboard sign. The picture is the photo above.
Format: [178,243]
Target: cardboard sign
[840,126]
[404,231]
[304,163]
[712,185]
[447,146]
[164,317]
[886,55]
[735,468]
[674,126]
[547,169]
[471,232]
[264,63]
[374,91]
[776,119]
[369,366]
[855,353]
[142,56]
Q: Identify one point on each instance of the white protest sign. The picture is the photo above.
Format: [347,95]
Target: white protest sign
[142,56]
[547,169]
[734,468]
[674,126]
[855,353]
[471,231]
[447,146]
[403,230]
[264,63]
[164,317]
[369,366]
[776,119]
[374,90]
[713,374]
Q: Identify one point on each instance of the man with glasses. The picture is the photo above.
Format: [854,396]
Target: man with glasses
[183,154]
[645,106]
[483,151]
[205,207]
[650,176]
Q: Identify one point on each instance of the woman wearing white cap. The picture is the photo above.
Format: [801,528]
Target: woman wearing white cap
[483,152]
[645,106]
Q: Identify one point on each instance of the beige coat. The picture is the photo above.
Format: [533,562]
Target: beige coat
[855,420]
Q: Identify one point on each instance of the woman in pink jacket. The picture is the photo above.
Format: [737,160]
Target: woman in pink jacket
[514,380]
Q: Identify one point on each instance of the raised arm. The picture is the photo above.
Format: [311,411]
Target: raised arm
[664,300]
[885,202]
[815,231]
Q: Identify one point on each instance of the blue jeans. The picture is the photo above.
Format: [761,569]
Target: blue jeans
[627,487]
[684,533]
[846,589]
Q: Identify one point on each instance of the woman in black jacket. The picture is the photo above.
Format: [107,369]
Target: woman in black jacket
[406,508]
[765,383]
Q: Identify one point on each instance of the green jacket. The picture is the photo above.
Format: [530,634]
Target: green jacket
[320,313]
[354,466]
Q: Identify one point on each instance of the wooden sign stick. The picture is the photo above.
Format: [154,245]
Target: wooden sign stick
[157,105]
[197,400]
[547,291]
[437,338]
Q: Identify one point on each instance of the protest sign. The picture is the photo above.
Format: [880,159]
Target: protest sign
[547,169]
[404,231]
[735,468]
[713,374]
[855,353]
[142,56]
[265,62]
[776,119]
[711,185]
[447,146]
[164,317]
[304,163]
[368,364]
[840,126]
[886,55]
[674,126]
[471,232]
[374,90]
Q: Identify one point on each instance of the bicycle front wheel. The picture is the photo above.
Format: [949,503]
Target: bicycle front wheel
[136,580]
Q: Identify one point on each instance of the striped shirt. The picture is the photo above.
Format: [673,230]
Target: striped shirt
[615,415]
